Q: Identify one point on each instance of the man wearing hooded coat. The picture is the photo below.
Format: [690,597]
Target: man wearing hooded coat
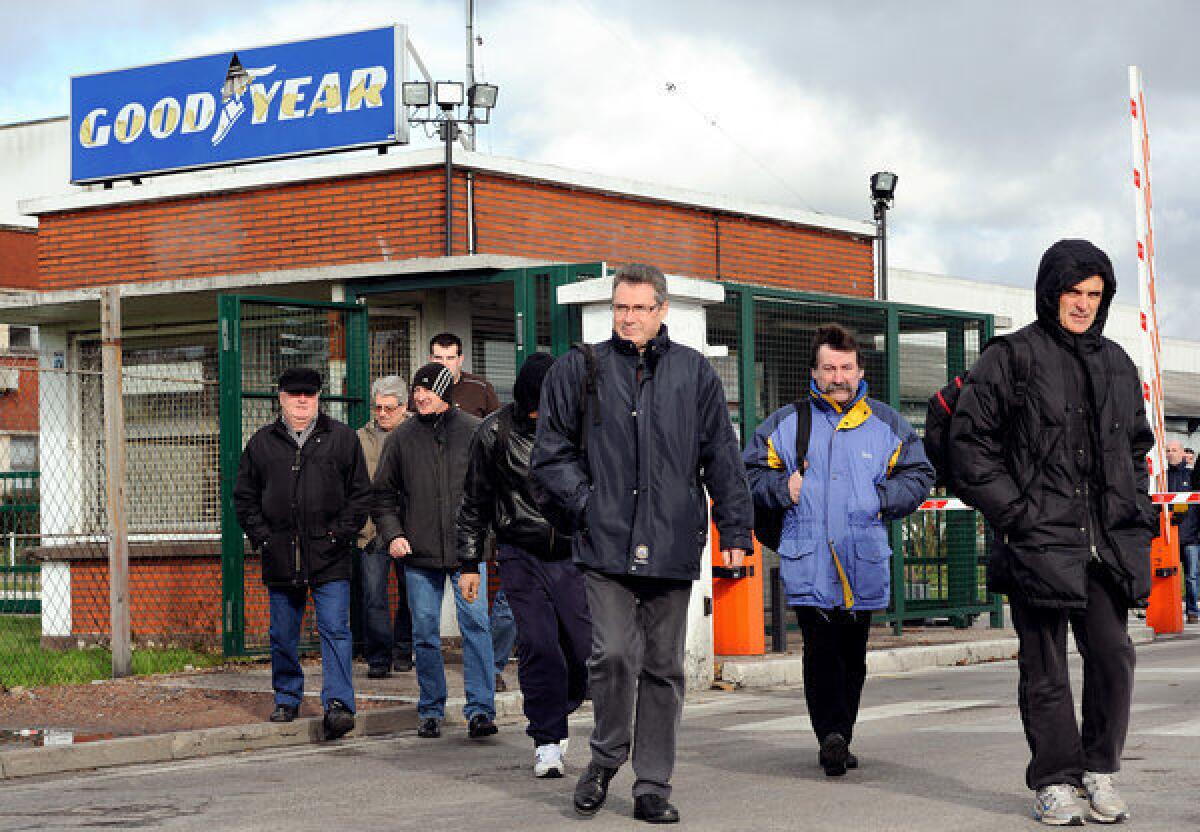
[1062,479]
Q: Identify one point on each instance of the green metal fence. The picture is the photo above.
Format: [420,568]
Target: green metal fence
[20,582]
[908,353]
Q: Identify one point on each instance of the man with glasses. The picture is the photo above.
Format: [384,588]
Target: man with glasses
[625,470]
[389,643]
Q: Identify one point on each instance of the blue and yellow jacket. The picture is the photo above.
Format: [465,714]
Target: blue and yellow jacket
[866,466]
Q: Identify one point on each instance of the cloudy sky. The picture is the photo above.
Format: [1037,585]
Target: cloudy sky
[1007,123]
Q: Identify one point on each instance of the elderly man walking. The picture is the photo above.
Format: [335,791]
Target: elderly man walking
[389,640]
[301,496]
[627,441]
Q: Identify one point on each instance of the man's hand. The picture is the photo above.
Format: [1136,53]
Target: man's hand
[399,547]
[468,585]
[794,483]
[733,558]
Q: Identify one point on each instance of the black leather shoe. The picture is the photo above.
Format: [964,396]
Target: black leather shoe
[833,755]
[284,713]
[339,720]
[378,672]
[654,808]
[851,760]
[402,664]
[480,726]
[592,788]
[429,729]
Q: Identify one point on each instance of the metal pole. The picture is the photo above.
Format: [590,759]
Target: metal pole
[114,458]
[881,215]
[778,622]
[448,130]
[469,139]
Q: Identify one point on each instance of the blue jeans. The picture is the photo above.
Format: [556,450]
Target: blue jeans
[425,588]
[385,637]
[331,602]
[504,630]
[1191,576]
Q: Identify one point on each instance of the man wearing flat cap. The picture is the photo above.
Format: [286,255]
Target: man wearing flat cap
[302,494]
[416,494]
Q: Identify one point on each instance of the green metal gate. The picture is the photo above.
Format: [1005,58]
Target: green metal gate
[260,337]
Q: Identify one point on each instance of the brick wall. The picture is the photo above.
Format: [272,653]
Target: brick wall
[18,258]
[399,214]
[560,223]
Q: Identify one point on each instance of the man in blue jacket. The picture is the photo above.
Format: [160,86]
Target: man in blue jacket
[864,466]
[624,459]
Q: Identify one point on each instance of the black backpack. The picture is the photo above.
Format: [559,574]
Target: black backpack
[943,403]
[768,522]
[589,409]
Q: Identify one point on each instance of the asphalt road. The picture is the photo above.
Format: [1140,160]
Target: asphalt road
[940,749]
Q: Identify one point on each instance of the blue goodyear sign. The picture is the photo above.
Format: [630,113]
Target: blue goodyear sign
[287,100]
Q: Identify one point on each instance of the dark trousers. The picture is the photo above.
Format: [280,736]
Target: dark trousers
[835,667]
[554,634]
[1060,752]
[639,628]
[387,636]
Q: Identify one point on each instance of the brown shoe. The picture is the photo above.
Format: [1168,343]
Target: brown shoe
[1193,618]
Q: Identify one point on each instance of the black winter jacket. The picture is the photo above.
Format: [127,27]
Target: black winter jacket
[636,493]
[1063,480]
[419,485]
[496,494]
[303,507]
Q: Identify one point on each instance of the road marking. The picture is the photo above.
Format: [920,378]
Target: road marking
[872,714]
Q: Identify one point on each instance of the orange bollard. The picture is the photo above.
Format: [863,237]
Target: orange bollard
[738,606]
[1165,613]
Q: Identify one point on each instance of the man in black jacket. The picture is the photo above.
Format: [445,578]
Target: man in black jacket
[626,467]
[417,491]
[302,493]
[545,588]
[1062,479]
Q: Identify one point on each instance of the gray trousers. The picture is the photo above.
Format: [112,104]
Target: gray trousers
[638,631]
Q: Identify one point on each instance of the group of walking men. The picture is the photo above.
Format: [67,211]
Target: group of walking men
[596,482]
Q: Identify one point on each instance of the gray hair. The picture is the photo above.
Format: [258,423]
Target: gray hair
[390,386]
[643,274]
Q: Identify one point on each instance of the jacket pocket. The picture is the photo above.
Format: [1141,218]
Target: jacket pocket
[871,578]
[797,566]
[280,559]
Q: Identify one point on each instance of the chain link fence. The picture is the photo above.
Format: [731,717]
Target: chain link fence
[54,524]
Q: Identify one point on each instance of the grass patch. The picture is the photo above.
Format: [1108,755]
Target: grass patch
[23,661]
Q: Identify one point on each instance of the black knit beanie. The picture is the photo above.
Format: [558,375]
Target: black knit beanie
[527,389]
[437,378]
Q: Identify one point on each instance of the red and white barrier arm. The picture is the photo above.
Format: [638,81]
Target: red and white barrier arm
[1165,498]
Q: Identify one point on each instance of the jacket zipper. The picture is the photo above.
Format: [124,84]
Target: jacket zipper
[639,377]
[1087,513]
[296,504]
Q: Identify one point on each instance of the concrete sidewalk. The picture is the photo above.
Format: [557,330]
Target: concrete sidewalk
[917,648]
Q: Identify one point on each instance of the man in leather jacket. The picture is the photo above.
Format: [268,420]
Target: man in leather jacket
[545,588]
[1060,474]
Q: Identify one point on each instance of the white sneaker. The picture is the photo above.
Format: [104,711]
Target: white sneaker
[562,745]
[548,761]
[1055,806]
[1104,804]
